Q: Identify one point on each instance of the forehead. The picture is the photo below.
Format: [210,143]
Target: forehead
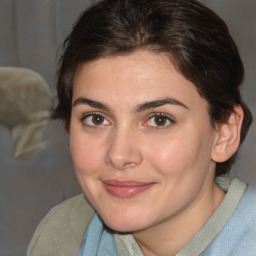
[133,62]
[135,77]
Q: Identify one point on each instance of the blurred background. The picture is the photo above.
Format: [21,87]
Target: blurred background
[30,34]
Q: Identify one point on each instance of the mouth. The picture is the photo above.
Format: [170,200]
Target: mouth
[126,189]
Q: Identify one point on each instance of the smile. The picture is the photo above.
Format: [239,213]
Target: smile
[126,189]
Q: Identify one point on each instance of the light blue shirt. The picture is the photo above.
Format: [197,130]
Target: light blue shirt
[231,230]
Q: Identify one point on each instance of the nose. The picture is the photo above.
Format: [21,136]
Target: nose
[124,150]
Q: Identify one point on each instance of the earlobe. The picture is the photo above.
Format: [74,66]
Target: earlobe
[228,136]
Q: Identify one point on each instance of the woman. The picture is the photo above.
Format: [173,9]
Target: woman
[149,91]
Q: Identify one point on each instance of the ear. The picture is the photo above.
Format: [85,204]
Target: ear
[228,136]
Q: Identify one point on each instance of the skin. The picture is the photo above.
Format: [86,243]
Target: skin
[121,137]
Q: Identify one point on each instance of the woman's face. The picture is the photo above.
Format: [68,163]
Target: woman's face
[141,140]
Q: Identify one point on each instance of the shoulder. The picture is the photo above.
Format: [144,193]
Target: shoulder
[62,229]
[248,201]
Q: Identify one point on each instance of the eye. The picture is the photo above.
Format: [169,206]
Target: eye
[94,119]
[159,120]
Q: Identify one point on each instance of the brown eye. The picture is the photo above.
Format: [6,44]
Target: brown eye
[159,121]
[95,120]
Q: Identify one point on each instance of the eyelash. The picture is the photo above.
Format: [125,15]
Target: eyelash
[151,116]
[93,114]
[161,115]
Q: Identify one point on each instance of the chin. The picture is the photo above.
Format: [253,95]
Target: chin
[124,223]
[123,227]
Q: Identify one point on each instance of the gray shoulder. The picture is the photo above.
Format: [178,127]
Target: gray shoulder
[62,229]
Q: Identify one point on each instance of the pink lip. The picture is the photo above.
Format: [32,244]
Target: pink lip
[126,189]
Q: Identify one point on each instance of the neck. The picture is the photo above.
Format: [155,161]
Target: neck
[170,236]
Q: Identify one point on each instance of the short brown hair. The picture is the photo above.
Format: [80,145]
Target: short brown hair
[194,36]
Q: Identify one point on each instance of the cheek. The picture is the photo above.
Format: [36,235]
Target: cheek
[177,156]
[169,150]
[86,155]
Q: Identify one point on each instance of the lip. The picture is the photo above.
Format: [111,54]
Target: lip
[126,189]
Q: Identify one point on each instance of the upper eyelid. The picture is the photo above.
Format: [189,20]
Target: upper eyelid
[170,119]
[108,116]
[87,114]
[109,119]
[161,114]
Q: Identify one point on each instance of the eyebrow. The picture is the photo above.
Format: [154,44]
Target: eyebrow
[159,103]
[140,108]
[91,103]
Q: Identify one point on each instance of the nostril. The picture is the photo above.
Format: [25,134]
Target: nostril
[129,165]
[121,163]
[122,152]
